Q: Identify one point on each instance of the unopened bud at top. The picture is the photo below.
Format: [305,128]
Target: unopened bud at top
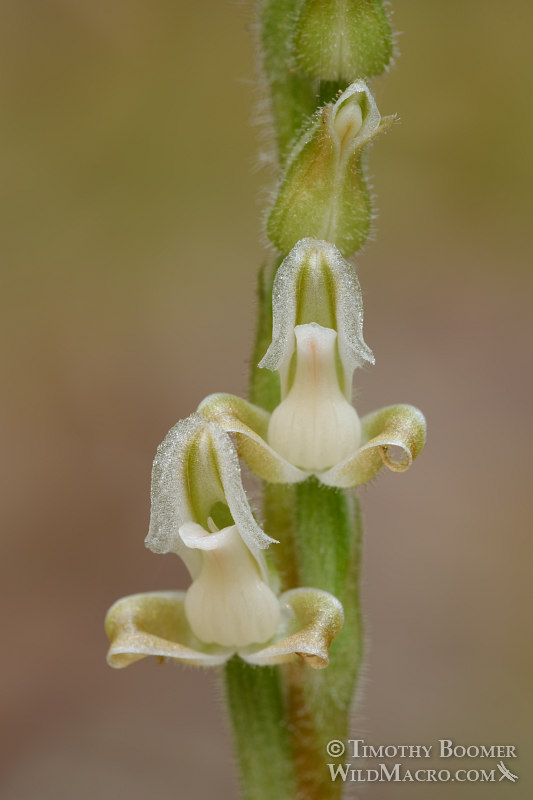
[341,40]
[323,193]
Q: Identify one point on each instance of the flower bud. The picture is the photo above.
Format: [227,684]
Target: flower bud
[323,193]
[341,40]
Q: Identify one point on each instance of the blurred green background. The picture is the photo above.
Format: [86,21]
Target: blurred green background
[131,238]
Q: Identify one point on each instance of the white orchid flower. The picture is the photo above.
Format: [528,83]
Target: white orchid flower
[317,343]
[200,512]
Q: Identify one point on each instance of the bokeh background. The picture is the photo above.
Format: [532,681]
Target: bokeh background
[131,236]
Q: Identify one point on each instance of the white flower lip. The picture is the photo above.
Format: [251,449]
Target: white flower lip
[228,603]
[315,427]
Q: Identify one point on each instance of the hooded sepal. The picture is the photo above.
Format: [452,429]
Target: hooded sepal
[315,284]
[196,474]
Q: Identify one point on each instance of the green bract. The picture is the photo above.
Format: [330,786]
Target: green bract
[340,40]
[400,426]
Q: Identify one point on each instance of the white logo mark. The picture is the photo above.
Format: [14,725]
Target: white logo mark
[506,773]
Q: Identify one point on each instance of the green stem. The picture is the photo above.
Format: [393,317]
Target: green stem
[291,94]
[254,698]
[328,546]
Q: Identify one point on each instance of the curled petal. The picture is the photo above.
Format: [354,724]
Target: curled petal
[312,619]
[249,423]
[400,426]
[154,624]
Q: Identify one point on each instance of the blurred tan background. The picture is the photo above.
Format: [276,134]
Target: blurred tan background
[131,238]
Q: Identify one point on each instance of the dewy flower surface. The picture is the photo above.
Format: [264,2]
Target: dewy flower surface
[317,343]
[231,605]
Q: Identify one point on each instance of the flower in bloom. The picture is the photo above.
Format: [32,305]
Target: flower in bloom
[201,513]
[317,343]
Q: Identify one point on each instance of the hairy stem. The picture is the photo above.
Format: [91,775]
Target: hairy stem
[254,698]
[328,538]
